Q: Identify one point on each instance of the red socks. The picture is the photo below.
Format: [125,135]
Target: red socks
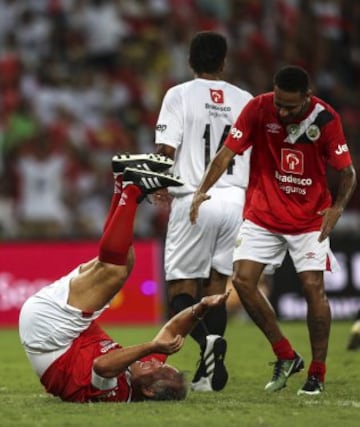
[115,200]
[317,369]
[283,349]
[118,234]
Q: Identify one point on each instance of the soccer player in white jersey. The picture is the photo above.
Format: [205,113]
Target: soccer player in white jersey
[194,120]
[294,137]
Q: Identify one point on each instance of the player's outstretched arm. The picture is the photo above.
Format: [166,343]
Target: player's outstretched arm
[214,171]
[169,340]
[182,323]
[113,363]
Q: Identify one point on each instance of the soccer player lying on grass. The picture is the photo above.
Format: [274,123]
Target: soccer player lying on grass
[74,358]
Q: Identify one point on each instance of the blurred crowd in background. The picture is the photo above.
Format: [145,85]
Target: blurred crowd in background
[83,79]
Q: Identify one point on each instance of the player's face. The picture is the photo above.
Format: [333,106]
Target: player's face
[150,367]
[290,105]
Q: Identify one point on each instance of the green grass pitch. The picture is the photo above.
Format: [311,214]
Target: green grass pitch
[243,402]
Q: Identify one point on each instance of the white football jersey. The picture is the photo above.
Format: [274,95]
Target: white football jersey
[195,118]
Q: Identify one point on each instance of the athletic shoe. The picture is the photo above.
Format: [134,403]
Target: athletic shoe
[354,339]
[312,387]
[282,371]
[200,372]
[154,162]
[211,374]
[150,181]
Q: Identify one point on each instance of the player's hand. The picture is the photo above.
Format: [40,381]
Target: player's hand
[215,300]
[168,346]
[195,205]
[330,218]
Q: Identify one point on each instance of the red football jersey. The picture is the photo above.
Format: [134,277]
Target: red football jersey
[287,186]
[69,377]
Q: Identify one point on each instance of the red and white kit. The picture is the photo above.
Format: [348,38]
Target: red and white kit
[287,183]
[62,343]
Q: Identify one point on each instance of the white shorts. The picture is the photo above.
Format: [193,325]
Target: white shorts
[192,250]
[48,324]
[258,244]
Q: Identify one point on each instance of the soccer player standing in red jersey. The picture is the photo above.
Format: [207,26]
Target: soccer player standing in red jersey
[294,136]
[72,355]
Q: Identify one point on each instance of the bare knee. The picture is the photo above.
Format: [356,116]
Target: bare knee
[119,273]
[115,273]
[243,284]
[246,276]
[108,274]
[183,286]
[93,288]
[313,286]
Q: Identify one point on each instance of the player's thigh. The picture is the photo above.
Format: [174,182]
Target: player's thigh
[97,285]
[229,223]
[308,254]
[37,322]
[255,243]
[188,247]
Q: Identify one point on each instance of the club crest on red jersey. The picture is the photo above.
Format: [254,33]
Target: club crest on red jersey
[313,132]
[217,96]
[292,161]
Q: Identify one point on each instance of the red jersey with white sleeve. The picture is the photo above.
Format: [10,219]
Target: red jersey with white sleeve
[71,376]
[287,184]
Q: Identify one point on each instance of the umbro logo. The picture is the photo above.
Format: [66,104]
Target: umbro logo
[273,127]
[310,255]
[107,345]
[123,199]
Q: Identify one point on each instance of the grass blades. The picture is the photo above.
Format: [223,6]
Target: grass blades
[242,403]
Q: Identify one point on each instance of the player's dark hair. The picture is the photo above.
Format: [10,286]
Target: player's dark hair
[164,386]
[175,389]
[292,78]
[207,52]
